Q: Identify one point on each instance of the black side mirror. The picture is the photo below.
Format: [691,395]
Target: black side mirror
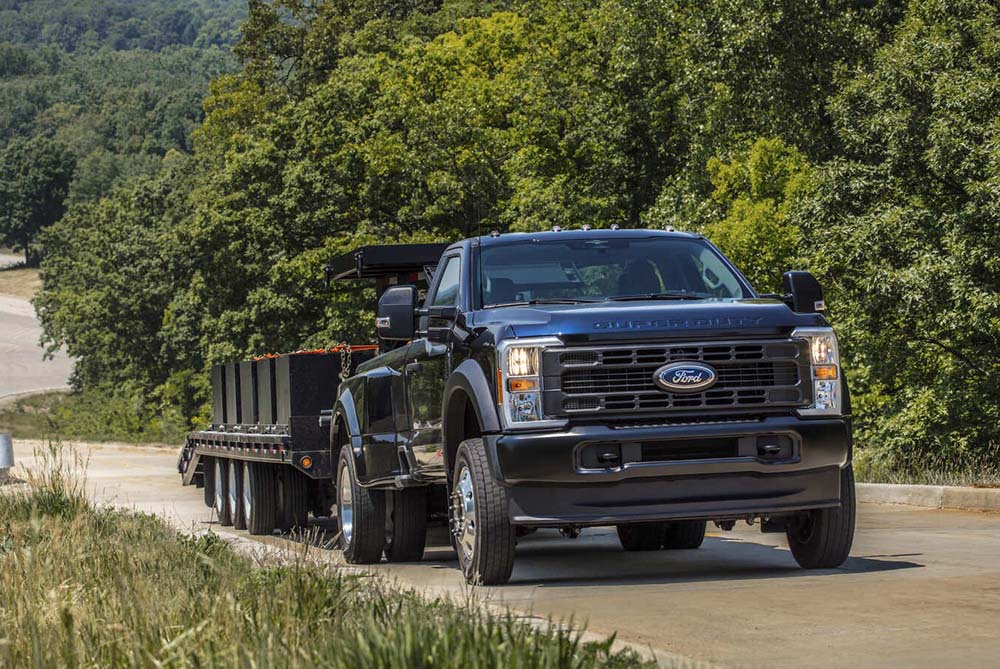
[396,318]
[805,292]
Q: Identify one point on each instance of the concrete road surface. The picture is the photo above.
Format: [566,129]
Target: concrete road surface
[22,368]
[922,588]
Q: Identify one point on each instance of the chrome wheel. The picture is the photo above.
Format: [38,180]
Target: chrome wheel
[345,505]
[463,516]
[220,500]
[234,502]
[247,498]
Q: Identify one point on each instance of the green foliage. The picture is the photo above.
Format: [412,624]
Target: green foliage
[906,230]
[854,139]
[34,179]
[100,587]
[109,413]
[755,194]
[119,84]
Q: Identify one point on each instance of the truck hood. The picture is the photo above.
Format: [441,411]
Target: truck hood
[662,319]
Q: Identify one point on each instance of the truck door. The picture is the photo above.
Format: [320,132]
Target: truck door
[427,367]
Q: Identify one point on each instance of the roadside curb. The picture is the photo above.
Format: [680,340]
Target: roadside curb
[931,496]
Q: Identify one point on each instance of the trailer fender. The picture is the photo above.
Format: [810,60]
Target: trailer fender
[466,387]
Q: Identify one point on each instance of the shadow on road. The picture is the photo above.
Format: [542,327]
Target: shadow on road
[596,559]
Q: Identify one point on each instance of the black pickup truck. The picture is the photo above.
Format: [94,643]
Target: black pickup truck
[571,379]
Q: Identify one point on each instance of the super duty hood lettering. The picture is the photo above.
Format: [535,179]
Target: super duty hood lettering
[679,323]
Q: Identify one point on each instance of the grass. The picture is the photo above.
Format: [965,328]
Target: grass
[95,587]
[983,472]
[20,282]
[86,416]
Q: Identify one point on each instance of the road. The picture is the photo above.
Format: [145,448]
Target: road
[922,588]
[22,368]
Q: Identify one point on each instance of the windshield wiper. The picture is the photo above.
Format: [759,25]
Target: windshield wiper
[669,295]
[546,300]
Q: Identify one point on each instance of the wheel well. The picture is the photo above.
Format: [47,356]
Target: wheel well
[462,424]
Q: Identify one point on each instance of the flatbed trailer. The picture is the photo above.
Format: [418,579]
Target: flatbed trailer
[265,462]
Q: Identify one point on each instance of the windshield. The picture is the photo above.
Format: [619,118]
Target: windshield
[585,270]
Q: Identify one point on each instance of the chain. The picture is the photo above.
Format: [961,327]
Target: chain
[345,359]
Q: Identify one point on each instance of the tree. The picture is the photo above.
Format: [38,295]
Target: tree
[906,232]
[35,175]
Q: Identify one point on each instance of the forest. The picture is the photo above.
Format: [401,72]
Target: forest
[858,139]
[94,93]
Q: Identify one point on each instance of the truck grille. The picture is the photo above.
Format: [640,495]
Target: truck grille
[620,378]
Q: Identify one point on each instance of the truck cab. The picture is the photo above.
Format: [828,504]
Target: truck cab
[572,379]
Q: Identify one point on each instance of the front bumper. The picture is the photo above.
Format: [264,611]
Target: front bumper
[547,484]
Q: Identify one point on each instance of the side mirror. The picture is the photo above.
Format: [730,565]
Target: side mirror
[396,318]
[805,292]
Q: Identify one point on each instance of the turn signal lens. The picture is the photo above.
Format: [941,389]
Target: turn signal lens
[825,372]
[522,385]
[306,462]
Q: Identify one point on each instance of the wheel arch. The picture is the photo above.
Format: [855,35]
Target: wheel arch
[345,427]
[469,410]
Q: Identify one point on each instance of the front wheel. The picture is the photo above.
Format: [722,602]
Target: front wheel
[822,538]
[361,513]
[480,525]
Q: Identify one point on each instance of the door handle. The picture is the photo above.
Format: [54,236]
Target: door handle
[413,367]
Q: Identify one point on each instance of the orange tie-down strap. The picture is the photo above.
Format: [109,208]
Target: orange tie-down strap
[319,351]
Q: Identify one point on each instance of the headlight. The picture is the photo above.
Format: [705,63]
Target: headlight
[824,358]
[519,383]
[522,361]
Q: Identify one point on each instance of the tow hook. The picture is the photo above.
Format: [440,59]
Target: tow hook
[570,532]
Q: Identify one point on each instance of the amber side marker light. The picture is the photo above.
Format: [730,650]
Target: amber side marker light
[826,372]
[306,462]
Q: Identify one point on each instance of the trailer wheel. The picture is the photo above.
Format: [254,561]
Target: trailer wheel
[406,525]
[208,476]
[822,538]
[642,536]
[236,494]
[361,514]
[220,469]
[684,535]
[293,499]
[479,518]
[259,497]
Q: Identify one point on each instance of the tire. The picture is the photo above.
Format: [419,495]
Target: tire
[361,514]
[220,469]
[642,536]
[406,525]
[293,499]
[480,522]
[236,495]
[260,497]
[208,476]
[823,539]
[684,535]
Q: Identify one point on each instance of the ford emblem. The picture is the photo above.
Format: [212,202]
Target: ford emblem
[685,377]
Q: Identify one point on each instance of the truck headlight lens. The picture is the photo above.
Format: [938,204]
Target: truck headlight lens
[824,358]
[522,361]
[520,383]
